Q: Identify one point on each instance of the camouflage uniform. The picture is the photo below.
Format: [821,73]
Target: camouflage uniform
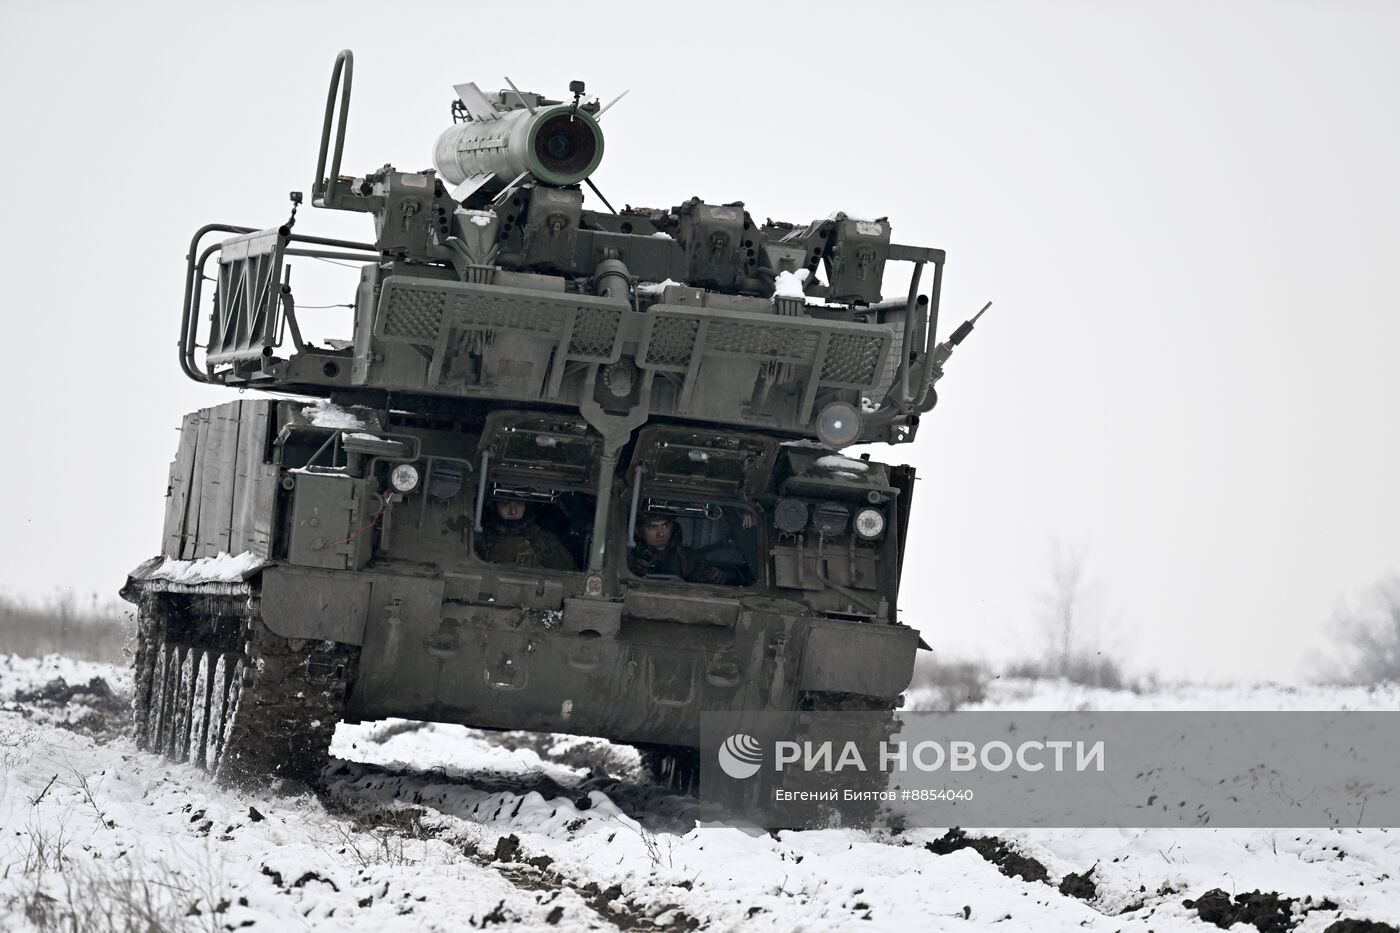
[524,544]
[673,560]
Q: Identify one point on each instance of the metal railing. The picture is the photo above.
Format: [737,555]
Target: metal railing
[252,329]
[325,187]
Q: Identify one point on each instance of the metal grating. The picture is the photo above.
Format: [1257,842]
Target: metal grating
[595,334]
[671,342]
[499,313]
[853,360]
[422,315]
[764,340]
[413,315]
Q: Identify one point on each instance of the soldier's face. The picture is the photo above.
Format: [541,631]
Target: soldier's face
[510,510]
[657,533]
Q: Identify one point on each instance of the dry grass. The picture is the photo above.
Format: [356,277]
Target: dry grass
[945,686]
[62,887]
[1096,670]
[89,628]
[370,835]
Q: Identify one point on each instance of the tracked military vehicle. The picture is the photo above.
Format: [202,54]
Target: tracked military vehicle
[327,551]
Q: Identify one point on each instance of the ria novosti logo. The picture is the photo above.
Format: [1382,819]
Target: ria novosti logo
[740,756]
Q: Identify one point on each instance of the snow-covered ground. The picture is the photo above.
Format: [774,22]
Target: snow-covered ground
[430,827]
[1019,694]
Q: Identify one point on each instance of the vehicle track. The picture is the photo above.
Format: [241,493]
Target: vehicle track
[657,808]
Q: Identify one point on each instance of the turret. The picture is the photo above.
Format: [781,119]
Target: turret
[488,283]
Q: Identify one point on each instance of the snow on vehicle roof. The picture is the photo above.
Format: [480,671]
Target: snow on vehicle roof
[324,413]
[839,463]
[480,218]
[789,284]
[865,218]
[655,289]
[223,568]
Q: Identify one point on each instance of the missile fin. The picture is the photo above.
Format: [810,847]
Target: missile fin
[599,114]
[476,103]
[520,97]
[470,184]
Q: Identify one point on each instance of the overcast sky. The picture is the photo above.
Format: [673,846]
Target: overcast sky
[1185,213]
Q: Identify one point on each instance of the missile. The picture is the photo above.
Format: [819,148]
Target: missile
[557,144]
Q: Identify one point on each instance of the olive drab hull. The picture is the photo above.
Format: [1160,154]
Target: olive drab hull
[520,367]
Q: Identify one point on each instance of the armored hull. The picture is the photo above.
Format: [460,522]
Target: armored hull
[409,620]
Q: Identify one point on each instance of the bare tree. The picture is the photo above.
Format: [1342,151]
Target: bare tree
[1064,604]
[1071,620]
[1369,633]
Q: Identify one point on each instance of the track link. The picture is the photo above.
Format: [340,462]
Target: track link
[215,687]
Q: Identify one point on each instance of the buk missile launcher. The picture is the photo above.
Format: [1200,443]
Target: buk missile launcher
[437,516]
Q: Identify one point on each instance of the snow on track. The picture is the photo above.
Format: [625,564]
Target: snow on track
[434,827]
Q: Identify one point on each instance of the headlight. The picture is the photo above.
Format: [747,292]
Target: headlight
[839,425]
[404,478]
[830,519]
[870,523]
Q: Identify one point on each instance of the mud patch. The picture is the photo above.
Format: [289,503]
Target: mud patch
[1266,911]
[93,708]
[658,809]
[511,861]
[507,848]
[1360,926]
[1080,886]
[402,821]
[1008,861]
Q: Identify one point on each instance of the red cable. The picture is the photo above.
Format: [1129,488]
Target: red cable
[363,527]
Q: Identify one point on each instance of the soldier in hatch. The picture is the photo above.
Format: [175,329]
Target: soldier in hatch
[511,536]
[659,551]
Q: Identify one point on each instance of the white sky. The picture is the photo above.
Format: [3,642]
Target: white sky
[1186,214]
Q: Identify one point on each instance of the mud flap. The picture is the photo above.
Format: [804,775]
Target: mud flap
[858,657]
[320,606]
